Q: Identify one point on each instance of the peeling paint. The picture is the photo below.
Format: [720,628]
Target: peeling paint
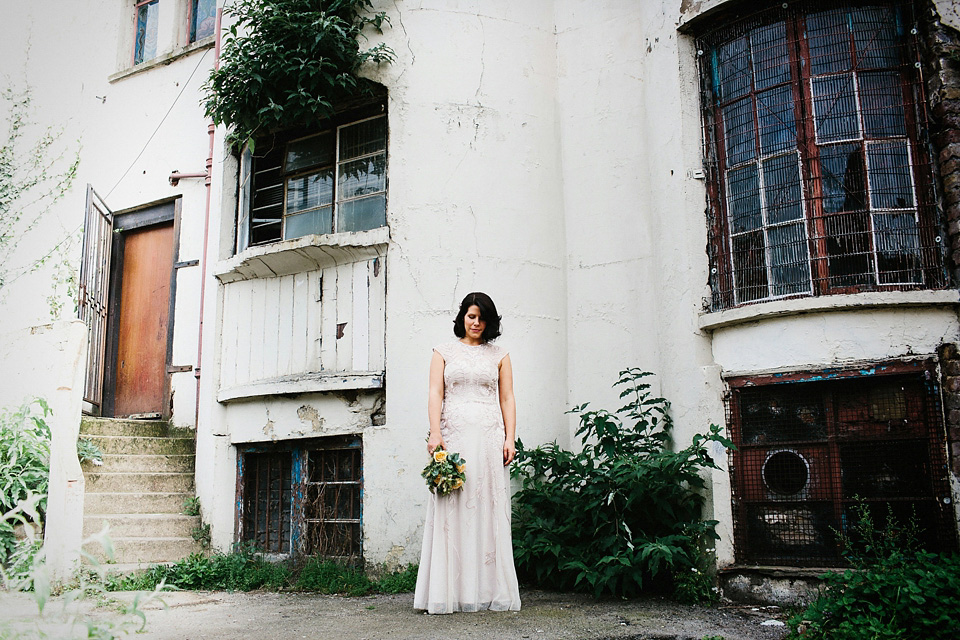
[306,413]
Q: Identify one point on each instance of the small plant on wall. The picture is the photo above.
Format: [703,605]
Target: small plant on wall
[290,62]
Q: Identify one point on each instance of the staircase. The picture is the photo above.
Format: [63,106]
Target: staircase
[139,491]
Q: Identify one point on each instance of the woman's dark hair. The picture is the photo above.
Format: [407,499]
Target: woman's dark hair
[488,312]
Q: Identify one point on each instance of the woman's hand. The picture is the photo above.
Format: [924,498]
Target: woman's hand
[435,441]
[509,452]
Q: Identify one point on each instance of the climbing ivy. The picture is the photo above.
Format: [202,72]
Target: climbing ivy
[289,62]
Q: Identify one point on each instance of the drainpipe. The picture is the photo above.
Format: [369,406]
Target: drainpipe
[208,181]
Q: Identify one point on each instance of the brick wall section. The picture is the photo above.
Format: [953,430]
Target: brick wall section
[941,57]
[949,357]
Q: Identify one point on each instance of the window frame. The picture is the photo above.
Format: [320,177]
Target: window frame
[727,292]
[278,142]
[191,29]
[137,5]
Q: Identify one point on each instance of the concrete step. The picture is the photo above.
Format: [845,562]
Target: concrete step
[143,445]
[117,502]
[97,482]
[133,463]
[130,550]
[118,427]
[162,525]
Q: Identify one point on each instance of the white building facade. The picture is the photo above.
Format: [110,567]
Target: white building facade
[753,202]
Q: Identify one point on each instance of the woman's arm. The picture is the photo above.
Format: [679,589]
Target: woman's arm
[435,403]
[508,407]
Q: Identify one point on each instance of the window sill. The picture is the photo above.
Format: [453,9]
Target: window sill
[163,59]
[303,383]
[303,254]
[826,304]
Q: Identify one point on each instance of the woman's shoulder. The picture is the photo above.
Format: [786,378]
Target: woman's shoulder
[497,350]
[446,348]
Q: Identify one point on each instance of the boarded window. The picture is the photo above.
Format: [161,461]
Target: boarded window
[329,181]
[808,449]
[819,182]
[303,497]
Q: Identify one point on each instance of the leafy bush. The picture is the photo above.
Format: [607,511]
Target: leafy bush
[399,581]
[893,589]
[326,576]
[24,466]
[287,62]
[88,451]
[623,514]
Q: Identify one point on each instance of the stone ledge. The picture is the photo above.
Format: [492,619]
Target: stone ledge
[303,383]
[163,59]
[825,304]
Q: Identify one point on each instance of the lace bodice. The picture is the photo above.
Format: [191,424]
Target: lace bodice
[471,377]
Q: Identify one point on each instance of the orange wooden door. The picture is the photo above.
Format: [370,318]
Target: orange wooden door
[141,378]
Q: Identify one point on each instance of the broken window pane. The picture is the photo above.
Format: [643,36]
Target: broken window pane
[778,128]
[898,248]
[849,255]
[781,188]
[363,138]
[771,61]
[881,99]
[789,263]
[835,108]
[888,170]
[315,151]
[828,35]
[750,266]
[733,68]
[875,35]
[844,178]
[145,42]
[310,191]
[739,132]
[743,188]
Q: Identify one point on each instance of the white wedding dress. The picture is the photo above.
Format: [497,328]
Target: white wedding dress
[467,559]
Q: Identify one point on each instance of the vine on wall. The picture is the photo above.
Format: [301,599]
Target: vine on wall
[289,62]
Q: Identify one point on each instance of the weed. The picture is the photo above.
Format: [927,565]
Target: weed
[191,506]
[24,468]
[894,589]
[88,451]
[201,535]
[399,581]
[326,576]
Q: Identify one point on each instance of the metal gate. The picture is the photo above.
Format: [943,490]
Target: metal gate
[93,292]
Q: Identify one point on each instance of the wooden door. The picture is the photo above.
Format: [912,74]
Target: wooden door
[143,321]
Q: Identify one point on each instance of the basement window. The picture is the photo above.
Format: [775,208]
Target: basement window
[303,497]
[328,180]
[810,445]
[819,181]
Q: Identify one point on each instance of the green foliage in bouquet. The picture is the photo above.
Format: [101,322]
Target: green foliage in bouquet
[445,473]
[624,514]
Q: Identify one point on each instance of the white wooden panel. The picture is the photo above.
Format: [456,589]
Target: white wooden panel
[328,320]
[271,327]
[258,303]
[285,326]
[344,317]
[361,317]
[378,293]
[298,344]
[241,324]
[313,320]
[228,339]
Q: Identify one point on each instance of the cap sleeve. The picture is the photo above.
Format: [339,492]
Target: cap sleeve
[444,350]
[499,352]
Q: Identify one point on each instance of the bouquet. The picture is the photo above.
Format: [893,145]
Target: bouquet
[444,474]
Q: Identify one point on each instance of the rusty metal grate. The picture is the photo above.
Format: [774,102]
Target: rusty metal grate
[818,174]
[807,449]
[332,509]
[267,500]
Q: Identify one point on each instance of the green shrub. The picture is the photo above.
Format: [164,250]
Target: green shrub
[326,576]
[24,465]
[399,581]
[893,589]
[624,514]
[88,451]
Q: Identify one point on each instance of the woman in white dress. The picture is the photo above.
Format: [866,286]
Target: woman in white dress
[467,559]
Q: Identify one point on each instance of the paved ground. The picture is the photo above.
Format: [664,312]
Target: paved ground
[269,616]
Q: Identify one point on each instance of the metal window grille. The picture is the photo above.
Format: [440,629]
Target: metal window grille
[302,497]
[808,449]
[819,178]
[268,500]
[332,511]
[94,291]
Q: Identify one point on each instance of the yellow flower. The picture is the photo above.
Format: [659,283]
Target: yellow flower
[438,480]
[458,483]
[461,467]
[440,455]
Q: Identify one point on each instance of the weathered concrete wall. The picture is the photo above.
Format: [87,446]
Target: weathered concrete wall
[50,363]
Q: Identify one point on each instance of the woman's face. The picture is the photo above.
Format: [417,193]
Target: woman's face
[473,324]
